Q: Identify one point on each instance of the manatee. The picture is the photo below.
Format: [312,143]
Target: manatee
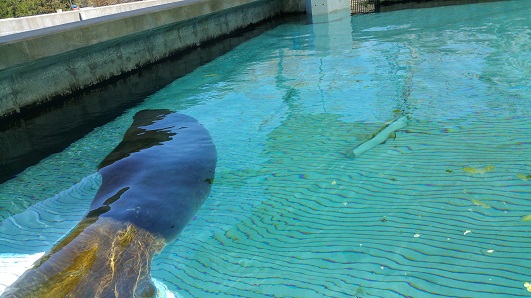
[153,183]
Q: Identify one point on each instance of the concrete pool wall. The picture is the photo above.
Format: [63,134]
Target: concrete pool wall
[40,65]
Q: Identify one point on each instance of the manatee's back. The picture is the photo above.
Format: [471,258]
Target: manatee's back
[153,183]
[159,175]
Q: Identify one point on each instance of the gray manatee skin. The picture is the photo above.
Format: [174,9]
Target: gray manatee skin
[153,183]
[159,175]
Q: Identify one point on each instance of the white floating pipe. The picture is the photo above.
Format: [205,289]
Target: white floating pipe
[378,138]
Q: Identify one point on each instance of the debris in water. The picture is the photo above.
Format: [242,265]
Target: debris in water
[490,251]
[378,138]
[481,171]
[523,177]
[527,286]
[416,235]
[333,182]
[526,218]
[466,232]
[480,203]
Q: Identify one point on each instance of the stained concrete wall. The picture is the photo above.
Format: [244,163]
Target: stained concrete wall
[326,11]
[293,6]
[43,64]
[319,7]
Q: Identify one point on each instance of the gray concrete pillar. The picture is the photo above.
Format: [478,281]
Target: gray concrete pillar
[326,10]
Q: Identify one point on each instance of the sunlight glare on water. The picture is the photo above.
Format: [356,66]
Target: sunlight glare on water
[439,210]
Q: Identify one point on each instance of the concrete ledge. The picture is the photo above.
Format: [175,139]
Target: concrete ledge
[40,65]
[16,25]
[29,46]
[95,12]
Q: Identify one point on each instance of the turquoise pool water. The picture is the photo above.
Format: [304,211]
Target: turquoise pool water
[437,211]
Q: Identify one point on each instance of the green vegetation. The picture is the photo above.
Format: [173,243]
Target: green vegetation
[22,8]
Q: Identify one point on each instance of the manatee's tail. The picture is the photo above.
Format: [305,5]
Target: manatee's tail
[101,257]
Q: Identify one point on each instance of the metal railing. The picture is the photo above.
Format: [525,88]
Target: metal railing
[364,6]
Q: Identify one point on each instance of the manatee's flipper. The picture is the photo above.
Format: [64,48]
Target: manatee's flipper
[102,258]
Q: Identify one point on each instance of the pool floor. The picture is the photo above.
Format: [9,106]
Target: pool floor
[441,209]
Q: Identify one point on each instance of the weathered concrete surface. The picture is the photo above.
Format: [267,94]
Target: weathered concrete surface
[319,7]
[324,11]
[293,6]
[39,65]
